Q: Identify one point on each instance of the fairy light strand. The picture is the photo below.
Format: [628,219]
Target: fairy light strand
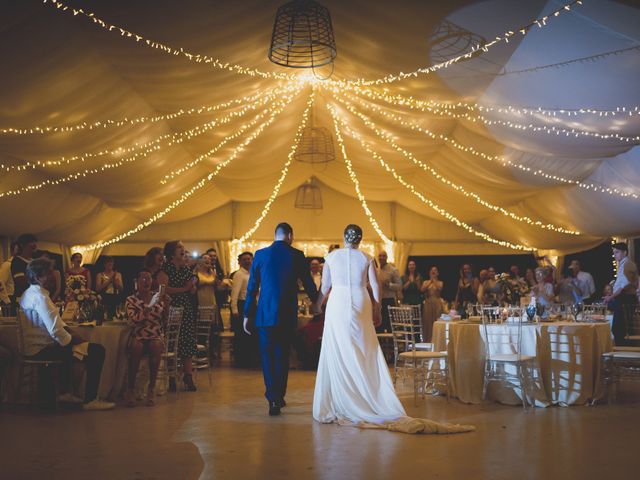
[238,245]
[175,137]
[503,38]
[126,121]
[188,193]
[451,218]
[429,107]
[198,58]
[437,175]
[113,165]
[356,183]
[589,186]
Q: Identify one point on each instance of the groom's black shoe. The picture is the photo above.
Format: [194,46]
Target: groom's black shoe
[281,403]
[274,409]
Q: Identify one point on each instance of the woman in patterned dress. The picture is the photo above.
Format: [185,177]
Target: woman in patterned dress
[144,311]
[181,287]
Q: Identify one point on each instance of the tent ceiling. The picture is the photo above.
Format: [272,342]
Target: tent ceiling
[64,70]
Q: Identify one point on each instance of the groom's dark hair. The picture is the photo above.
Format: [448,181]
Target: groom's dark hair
[284,229]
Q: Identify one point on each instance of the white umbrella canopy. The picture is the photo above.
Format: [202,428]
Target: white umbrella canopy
[63,69]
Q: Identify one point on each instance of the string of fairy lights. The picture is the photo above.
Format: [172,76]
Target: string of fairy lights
[451,218]
[388,243]
[505,161]
[272,102]
[237,246]
[459,188]
[236,151]
[427,107]
[175,139]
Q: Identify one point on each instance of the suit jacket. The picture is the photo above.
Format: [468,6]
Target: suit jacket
[275,272]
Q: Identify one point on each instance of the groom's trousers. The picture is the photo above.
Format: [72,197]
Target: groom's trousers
[275,347]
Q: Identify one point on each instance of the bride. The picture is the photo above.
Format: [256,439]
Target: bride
[353,386]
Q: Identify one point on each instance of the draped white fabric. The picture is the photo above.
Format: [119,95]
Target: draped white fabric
[65,70]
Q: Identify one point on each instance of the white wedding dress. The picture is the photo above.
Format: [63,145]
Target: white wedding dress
[353,385]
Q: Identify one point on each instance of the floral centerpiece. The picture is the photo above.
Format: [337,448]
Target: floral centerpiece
[512,288]
[76,291]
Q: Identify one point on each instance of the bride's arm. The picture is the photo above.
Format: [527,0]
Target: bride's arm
[373,281]
[325,287]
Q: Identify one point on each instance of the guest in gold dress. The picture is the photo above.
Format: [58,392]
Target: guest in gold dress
[432,307]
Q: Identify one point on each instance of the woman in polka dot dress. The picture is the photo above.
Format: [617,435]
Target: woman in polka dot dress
[181,287]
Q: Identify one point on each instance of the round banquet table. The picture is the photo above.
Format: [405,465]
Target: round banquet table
[113,337]
[568,357]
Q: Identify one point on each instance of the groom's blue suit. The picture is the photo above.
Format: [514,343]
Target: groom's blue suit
[275,272]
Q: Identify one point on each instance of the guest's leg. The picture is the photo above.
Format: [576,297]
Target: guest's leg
[45,375]
[266,340]
[135,354]
[93,363]
[386,321]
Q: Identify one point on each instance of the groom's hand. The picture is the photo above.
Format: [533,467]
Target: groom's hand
[245,325]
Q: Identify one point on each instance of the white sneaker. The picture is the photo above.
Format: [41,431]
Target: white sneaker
[98,405]
[69,398]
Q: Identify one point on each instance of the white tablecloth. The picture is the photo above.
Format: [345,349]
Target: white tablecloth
[567,356]
[112,337]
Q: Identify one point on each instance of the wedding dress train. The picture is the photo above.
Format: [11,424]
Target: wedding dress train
[353,385]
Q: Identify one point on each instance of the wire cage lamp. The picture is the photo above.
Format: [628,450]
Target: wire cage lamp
[309,196]
[302,36]
[450,40]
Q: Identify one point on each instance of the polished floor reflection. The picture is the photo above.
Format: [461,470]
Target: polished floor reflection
[224,432]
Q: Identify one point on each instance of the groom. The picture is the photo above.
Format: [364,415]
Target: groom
[275,272]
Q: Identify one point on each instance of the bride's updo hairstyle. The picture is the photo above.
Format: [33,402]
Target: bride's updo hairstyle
[353,234]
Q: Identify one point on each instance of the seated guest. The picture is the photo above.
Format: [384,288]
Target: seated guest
[78,271]
[6,280]
[144,310]
[624,292]
[47,337]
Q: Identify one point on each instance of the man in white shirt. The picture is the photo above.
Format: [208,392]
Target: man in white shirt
[582,280]
[623,299]
[245,349]
[390,285]
[47,337]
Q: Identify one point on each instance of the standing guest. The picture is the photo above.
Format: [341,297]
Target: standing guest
[153,260]
[582,280]
[489,289]
[316,274]
[390,285]
[568,292]
[245,346]
[543,290]
[145,311]
[206,282]
[624,292]
[49,338]
[77,270]
[530,278]
[411,283]
[27,246]
[181,287]
[432,309]
[333,246]
[222,290]
[6,279]
[109,285]
[468,286]
[54,280]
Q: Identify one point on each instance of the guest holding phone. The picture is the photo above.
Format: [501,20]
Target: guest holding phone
[181,287]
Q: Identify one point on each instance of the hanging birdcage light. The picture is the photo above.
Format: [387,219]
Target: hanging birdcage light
[316,146]
[308,196]
[450,40]
[302,36]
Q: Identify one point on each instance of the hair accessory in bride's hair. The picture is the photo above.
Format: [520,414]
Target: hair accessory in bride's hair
[353,234]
